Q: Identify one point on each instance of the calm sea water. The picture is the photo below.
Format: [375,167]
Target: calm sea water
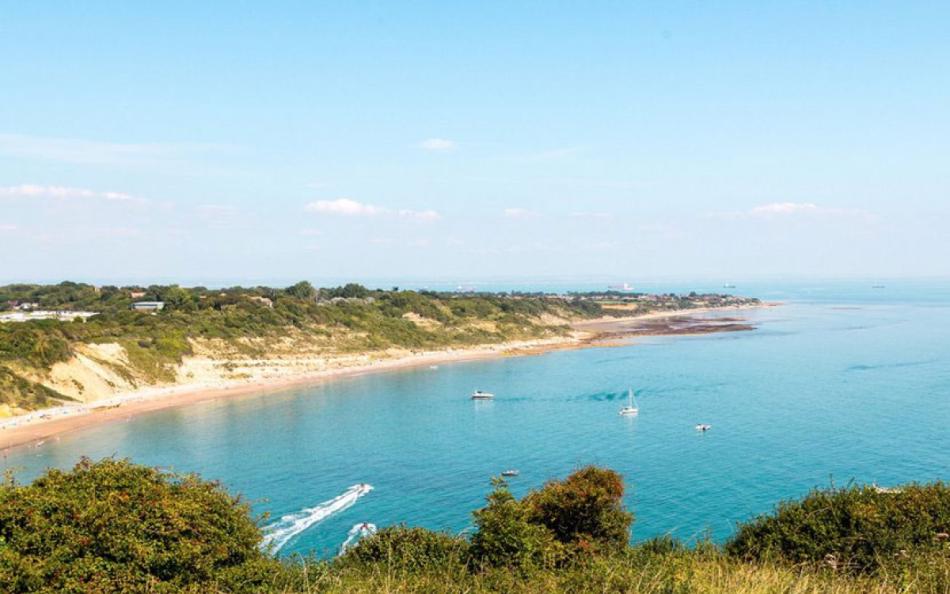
[842,383]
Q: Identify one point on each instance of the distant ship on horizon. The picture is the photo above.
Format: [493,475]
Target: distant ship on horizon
[625,287]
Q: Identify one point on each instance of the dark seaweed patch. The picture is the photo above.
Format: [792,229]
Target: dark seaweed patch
[891,365]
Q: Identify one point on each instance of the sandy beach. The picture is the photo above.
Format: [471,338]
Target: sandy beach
[38,426]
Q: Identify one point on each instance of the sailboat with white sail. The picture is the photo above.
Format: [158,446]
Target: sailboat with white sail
[631,409]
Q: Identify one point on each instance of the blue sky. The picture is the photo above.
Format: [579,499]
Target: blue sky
[201,141]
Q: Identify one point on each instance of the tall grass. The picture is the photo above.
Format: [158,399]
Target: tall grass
[685,572]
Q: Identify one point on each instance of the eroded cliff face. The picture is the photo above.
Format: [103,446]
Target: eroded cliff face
[101,371]
[105,370]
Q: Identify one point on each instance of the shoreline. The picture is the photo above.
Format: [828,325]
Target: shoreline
[37,426]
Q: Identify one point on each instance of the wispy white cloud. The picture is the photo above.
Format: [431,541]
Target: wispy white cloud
[311,232]
[793,210]
[64,193]
[420,215]
[438,144]
[345,207]
[7,228]
[784,208]
[518,213]
[790,209]
[81,151]
[352,208]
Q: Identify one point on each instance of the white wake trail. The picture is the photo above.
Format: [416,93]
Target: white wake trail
[279,533]
[357,532]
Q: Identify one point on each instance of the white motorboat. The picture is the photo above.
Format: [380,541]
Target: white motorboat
[479,395]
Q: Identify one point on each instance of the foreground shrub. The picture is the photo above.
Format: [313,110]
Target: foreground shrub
[505,536]
[859,528]
[113,526]
[408,549]
[579,516]
[662,545]
[584,511]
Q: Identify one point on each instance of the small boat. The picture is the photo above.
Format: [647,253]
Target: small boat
[703,427]
[479,395]
[631,409]
[511,472]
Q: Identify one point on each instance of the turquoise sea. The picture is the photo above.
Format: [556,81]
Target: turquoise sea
[842,383]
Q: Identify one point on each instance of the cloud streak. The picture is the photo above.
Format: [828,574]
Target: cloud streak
[344,207]
[793,209]
[438,144]
[420,215]
[34,191]
[784,208]
[347,207]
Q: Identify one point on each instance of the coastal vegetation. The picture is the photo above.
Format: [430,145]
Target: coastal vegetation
[113,526]
[139,348]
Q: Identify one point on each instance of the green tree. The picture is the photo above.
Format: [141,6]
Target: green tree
[177,298]
[354,291]
[302,290]
[584,511]
[505,537]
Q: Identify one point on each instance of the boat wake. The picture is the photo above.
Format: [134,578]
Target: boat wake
[357,532]
[279,533]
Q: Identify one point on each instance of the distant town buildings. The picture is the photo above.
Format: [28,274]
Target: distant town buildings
[22,315]
[148,306]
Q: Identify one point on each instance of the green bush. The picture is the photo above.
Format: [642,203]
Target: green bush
[584,511]
[506,538]
[860,529]
[113,526]
[569,519]
[408,549]
[660,545]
